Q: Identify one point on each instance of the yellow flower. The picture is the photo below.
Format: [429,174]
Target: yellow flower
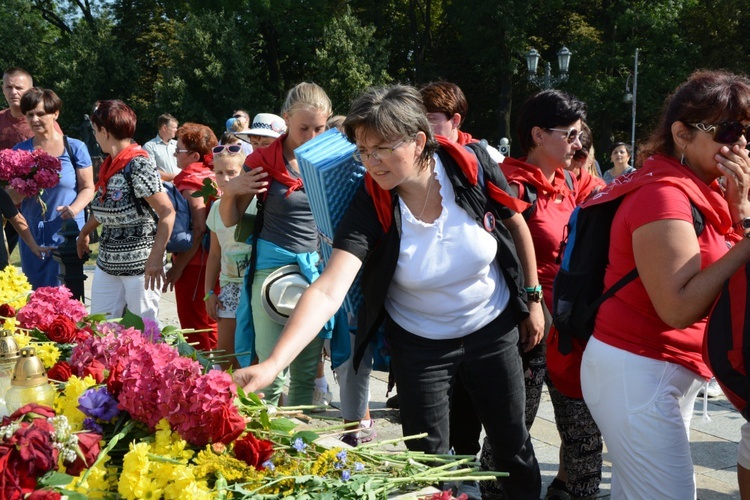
[96,485]
[14,287]
[48,353]
[325,462]
[66,403]
[22,339]
[134,480]
[170,444]
[209,464]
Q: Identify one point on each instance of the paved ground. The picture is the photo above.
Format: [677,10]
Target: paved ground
[713,444]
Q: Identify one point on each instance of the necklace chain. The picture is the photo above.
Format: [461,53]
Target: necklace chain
[427,199]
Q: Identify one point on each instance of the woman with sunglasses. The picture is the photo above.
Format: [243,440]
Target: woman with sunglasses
[132,247]
[643,366]
[449,309]
[550,127]
[187,274]
[583,166]
[285,234]
[620,154]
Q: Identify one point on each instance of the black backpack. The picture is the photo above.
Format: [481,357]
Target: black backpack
[724,347]
[577,291]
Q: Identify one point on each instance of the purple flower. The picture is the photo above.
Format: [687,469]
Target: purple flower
[341,455]
[90,425]
[151,330]
[359,466]
[268,465]
[345,475]
[98,403]
[299,445]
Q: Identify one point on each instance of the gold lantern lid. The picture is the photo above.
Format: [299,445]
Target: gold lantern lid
[29,370]
[8,347]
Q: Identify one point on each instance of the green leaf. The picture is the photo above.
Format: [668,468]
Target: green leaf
[283,425]
[307,436]
[132,320]
[54,479]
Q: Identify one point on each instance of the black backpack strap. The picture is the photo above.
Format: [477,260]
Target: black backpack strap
[138,202]
[530,196]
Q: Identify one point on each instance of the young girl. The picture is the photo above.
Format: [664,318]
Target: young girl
[227,259]
[288,234]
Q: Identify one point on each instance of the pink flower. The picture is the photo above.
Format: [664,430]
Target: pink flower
[46,304]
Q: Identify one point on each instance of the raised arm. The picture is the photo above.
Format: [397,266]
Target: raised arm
[315,307]
[239,192]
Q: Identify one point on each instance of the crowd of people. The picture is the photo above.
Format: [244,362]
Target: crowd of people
[456,248]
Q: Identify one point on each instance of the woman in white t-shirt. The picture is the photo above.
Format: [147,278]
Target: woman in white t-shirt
[227,259]
[439,271]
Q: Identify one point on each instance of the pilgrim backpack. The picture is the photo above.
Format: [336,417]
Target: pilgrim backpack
[577,291]
[181,238]
[724,347]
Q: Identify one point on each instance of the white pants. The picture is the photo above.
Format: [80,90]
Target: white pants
[643,408]
[111,294]
[743,455]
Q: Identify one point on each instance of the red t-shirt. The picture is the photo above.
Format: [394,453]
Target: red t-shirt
[547,228]
[628,320]
[13,130]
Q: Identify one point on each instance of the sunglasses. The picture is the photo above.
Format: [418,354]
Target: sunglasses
[231,149]
[570,135]
[580,155]
[725,132]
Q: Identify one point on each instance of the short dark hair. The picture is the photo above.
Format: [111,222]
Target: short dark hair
[15,70]
[444,97]
[164,120]
[707,96]
[547,109]
[116,117]
[616,145]
[32,97]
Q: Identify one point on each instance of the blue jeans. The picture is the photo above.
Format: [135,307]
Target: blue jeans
[489,365]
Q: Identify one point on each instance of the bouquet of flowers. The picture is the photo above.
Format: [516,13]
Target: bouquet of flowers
[29,172]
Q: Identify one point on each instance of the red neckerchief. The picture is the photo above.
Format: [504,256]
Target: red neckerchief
[587,184]
[192,176]
[659,168]
[466,161]
[272,161]
[523,173]
[112,166]
[465,138]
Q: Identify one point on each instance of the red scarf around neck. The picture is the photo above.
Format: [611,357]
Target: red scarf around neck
[709,199]
[468,164]
[524,173]
[465,138]
[113,165]
[272,161]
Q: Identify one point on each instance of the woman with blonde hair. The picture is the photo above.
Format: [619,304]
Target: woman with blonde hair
[285,233]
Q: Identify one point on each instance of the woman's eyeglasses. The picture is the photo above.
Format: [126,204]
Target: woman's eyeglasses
[570,135]
[231,149]
[580,155]
[725,132]
[378,154]
[181,150]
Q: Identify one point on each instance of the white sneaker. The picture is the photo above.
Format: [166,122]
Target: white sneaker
[322,399]
[712,389]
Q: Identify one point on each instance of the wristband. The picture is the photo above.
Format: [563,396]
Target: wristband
[210,292]
[534,293]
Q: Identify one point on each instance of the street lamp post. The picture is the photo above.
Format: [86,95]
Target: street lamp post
[635,94]
[547,81]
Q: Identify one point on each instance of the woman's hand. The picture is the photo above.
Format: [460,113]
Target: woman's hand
[734,163]
[66,212]
[254,377]
[153,273]
[531,330]
[247,183]
[174,274]
[82,245]
[213,304]
[41,252]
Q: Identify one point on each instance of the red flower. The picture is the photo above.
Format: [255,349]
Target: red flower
[34,443]
[88,443]
[60,372]
[83,334]
[44,495]
[62,330]
[114,379]
[229,424]
[35,411]
[7,311]
[253,451]
[96,370]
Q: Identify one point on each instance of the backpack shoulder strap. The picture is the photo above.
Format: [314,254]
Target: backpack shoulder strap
[138,202]
[569,180]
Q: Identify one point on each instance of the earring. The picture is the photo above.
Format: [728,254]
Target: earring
[682,158]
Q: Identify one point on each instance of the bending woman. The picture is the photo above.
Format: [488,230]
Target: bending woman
[449,309]
[287,235]
[643,367]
